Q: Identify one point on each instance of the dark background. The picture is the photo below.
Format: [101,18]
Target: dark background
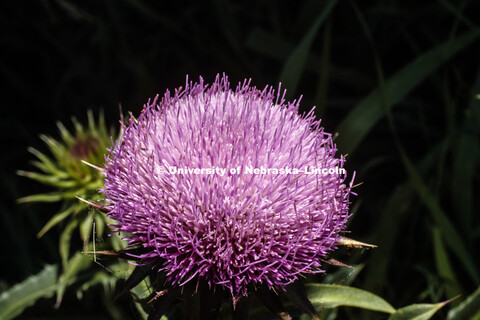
[60,58]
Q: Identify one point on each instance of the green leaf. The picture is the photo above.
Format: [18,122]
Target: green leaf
[422,311]
[295,64]
[100,277]
[85,228]
[49,165]
[143,314]
[444,266]
[26,293]
[395,211]
[138,275]
[91,123]
[79,129]
[51,197]
[76,264]
[65,237]
[45,197]
[332,296]
[465,161]
[468,309]
[56,148]
[51,180]
[65,134]
[57,218]
[143,289]
[99,225]
[450,234]
[367,113]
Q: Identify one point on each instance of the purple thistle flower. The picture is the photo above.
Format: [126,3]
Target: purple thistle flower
[234,229]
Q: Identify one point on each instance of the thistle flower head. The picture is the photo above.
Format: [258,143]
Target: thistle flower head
[66,171]
[266,219]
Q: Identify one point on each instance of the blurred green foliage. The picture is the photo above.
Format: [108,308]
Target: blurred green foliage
[398,80]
